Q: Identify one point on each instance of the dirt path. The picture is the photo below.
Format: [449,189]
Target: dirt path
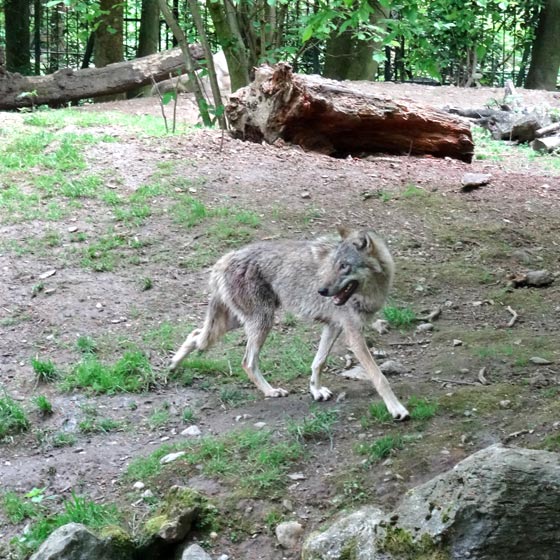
[454,250]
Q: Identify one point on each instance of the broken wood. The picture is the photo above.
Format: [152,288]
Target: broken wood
[546,130]
[514,317]
[333,118]
[72,85]
[546,145]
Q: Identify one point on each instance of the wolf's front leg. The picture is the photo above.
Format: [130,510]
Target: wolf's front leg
[328,337]
[358,345]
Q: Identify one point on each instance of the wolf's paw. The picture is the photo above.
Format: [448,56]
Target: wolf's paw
[399,413]
[320,393]
[275,392]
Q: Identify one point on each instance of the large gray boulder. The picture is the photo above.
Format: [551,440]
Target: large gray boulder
[498,504]
[74,541]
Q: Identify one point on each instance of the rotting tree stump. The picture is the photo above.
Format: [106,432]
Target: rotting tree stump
[333,118]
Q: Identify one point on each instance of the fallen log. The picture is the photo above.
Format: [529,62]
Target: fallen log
[546,130]
[335,119]
[71,85]
[547,144]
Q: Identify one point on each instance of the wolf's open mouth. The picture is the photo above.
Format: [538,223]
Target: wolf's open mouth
[344,295]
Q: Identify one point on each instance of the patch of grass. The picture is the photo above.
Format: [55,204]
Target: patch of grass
[45,370]
[188,415]
[146,284]
[552,443]
[100,255]
[131,373]
[399,543]
[13,418]
[18,508]
[399,317]
[412,191]
[250,460]
[63,439]
[189,212]
[381,448]
[232,397]
[43,404]
[159,417]
[164,338]
[378,412]
[78,509]
[422,409]
[318,425]
[99,425]
[86,344]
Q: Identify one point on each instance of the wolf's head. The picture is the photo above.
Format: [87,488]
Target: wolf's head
[359,263]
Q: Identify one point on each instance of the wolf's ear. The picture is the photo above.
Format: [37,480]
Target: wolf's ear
[363,241]
[343,231]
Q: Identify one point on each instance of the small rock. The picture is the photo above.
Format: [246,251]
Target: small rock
[195,552]
[72,229]
[171,457]
[138,485]
[505,404]
[191,431]
[297,476]
[457,342]
[223,557]
[47,274]
[424,327]
[539,278]
[259,425]
[305,194]
[392,367]
[538,380]
[147,494]
[539,361]
[381,326]
[341,397]
[289,533]
[474,180]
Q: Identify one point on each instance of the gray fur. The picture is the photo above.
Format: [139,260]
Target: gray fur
[248,286]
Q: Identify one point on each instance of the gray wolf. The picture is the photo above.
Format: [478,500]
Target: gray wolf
[340,282]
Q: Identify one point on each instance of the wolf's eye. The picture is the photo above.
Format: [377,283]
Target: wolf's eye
[344,267]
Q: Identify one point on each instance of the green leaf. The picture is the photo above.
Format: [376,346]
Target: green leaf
[167,97]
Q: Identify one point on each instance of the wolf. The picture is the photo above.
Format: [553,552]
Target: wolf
[339,281]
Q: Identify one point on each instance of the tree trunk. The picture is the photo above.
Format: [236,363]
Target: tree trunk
[545,59]
[329,117]
[232,44]
[347,58]
[108,45]
[148,38]
[69,85]
[18,38]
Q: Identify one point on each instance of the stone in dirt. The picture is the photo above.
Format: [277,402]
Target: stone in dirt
[289,533]
[195,552]
[74,541]
[533,278]
[474,180]
[498,504]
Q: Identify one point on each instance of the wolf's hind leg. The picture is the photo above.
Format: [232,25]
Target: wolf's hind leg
[328,338]
[219,320]
[257,330]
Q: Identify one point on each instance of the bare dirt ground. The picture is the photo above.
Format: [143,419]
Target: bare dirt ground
[454,250]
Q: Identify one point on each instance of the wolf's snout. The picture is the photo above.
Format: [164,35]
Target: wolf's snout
[323,291]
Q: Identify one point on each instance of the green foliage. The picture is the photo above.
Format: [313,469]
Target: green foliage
[45,370]
[422,409]
[78,509]
[131,373]
[43,404]
[86,344]
[381,448]
[12,417]
[318,425]
[399,317]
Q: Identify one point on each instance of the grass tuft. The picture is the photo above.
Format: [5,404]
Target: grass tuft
[13,419]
